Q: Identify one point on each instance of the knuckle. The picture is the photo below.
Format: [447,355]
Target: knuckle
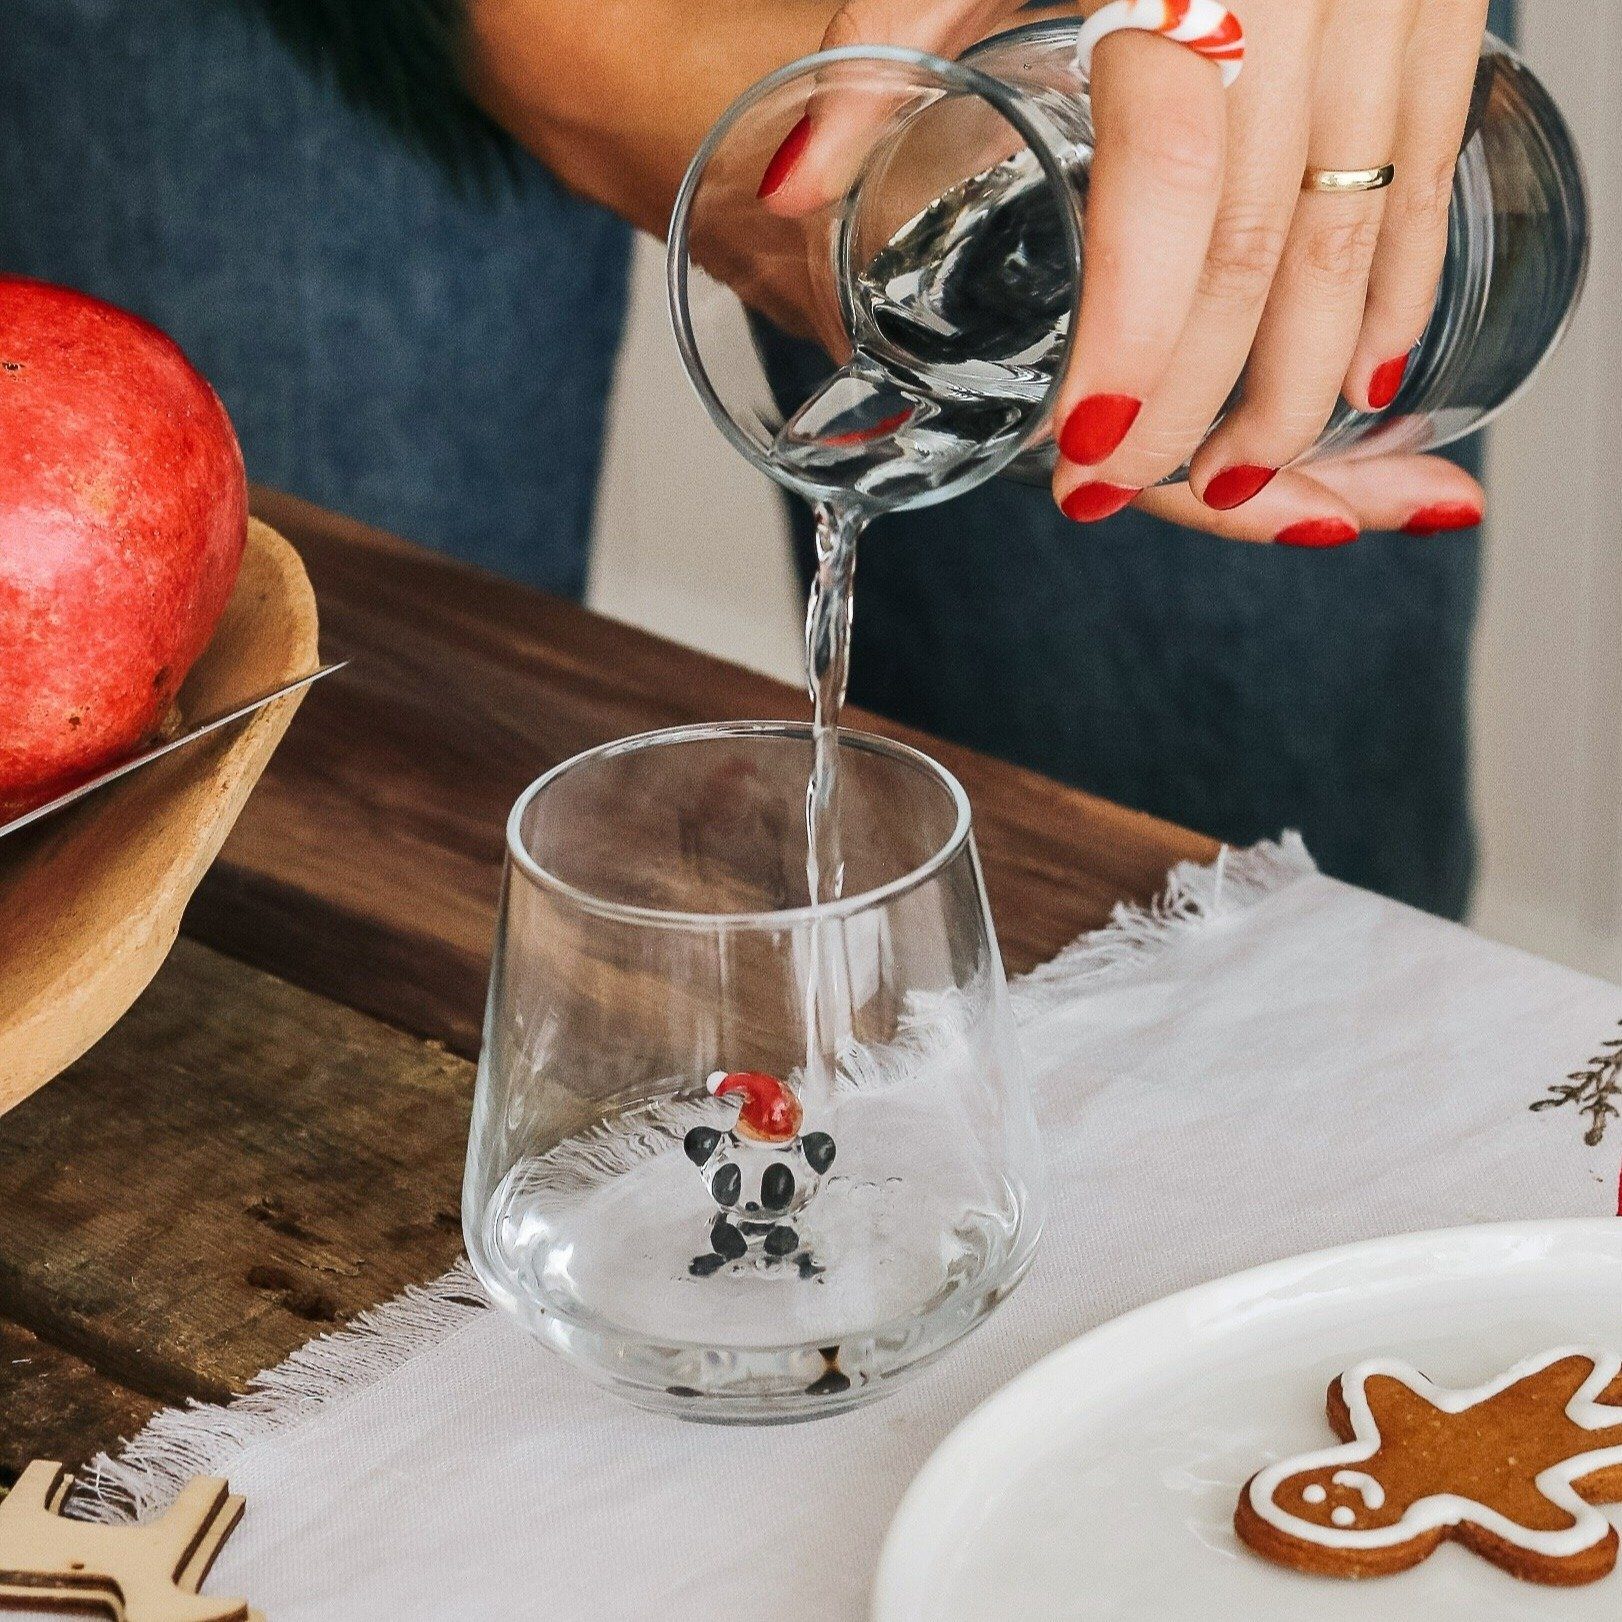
[1295,430]
[1340,250]
[1164,444]
[1406,314]
[857,22]
[1143,466]
[1176,148]
[1423,200]
[1243,259]
[924,25]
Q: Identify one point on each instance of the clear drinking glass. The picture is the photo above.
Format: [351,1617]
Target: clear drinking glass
[659,1185]
[941,280]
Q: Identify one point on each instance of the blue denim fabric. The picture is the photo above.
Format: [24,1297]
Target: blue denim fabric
[1235,689]
[431,362]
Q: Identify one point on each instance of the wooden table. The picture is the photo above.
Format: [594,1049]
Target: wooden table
[271,1141]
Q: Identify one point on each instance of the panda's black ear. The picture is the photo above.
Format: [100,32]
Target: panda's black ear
[819,1150]
[700,1143]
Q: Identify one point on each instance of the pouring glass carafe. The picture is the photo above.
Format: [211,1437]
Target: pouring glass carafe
[942,280]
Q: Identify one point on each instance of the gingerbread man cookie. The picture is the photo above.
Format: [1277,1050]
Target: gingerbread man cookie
[1510,1469]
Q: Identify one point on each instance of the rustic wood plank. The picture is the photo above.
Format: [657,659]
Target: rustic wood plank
[367,864]
[238,1166]
[54,1405]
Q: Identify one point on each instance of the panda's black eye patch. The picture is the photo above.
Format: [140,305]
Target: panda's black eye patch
[699,1144]
[726,1185]
[777,1188]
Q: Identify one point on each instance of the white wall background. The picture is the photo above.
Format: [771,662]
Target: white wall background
[690,542]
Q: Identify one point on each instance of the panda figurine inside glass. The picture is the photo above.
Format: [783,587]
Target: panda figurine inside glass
[761,1172]
[701,1247]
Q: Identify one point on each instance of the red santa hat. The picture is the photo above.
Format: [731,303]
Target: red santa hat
[769,1112]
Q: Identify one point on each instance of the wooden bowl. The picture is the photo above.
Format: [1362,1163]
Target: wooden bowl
[90,900]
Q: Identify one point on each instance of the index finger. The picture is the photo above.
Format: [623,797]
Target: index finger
[1160,125]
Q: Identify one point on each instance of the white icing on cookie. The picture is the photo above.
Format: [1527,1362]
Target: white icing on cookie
[1341,1515]
[1588,1526]
[1314,1492]
[1372,1492]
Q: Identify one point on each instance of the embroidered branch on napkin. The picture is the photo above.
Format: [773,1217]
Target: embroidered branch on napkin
[1594,1090]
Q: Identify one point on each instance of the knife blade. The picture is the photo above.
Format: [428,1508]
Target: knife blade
[198,729]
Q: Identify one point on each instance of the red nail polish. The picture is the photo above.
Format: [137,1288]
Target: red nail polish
[1442,515]
[865,436]
[1096,426]
[785,157]
[1234,486]
[1317,532]
[1385,382]
[1087,503]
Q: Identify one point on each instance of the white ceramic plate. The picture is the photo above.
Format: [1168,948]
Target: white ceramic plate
[1102,1482]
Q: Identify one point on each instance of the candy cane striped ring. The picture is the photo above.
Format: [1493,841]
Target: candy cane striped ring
[1205,26]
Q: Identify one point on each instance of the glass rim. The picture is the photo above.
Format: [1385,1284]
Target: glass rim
[781,918]
[1007,100]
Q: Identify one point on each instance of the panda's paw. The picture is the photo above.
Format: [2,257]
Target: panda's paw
[781,1241]
[728,1240]
[703,1266]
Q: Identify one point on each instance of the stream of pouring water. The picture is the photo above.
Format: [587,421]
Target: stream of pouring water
[959,325]
[839,526]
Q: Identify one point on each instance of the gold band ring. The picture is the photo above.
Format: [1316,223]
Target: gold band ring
[1348,180]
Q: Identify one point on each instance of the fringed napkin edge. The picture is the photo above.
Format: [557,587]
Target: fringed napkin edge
[203,1438]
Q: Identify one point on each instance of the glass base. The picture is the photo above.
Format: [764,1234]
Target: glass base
[606,1249]
[764,1386]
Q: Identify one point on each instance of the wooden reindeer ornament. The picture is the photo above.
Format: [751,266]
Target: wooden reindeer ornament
[145,1573]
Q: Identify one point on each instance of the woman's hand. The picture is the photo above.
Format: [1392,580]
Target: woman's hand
[1205,258]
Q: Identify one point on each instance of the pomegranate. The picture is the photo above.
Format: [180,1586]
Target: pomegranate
[123,513]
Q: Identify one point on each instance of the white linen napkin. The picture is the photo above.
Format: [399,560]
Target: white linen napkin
[1271,1062]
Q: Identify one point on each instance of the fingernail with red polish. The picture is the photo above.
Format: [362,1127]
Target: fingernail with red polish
[1087,503]
[1234,486]
[1442,515]
[1096,426]
[1317,532]
[785,157]
[1387,379]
